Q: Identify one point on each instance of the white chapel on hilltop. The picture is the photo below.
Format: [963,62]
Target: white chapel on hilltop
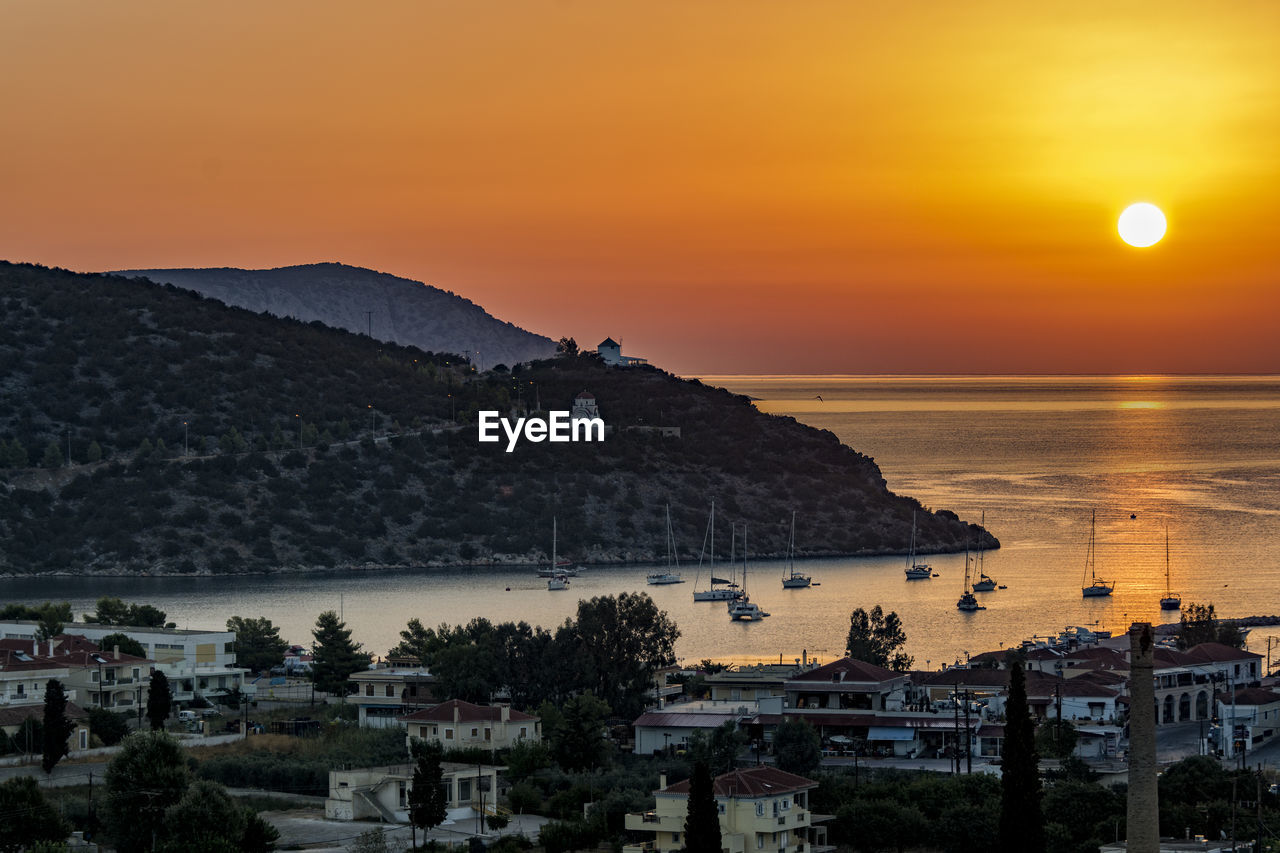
[584,407]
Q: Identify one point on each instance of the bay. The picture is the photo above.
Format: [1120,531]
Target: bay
[1037,455]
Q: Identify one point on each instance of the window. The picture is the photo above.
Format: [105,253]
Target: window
[524,731]
[675,838]
[404,795]
[448,734]
[435,730]
[488,734]
[22,689]
[475,732]
[786,804]
[720,808]
[368,690]
[136,673]
[759,809]
[391,690]
[760,840]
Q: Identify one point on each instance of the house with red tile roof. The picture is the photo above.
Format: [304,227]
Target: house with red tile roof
[761,808]
[461,725]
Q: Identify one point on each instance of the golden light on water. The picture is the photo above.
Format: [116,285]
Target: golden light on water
[1142,404]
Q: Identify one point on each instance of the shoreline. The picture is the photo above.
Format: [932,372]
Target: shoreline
[370,568]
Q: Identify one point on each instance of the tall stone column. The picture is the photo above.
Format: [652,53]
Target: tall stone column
[1144,810]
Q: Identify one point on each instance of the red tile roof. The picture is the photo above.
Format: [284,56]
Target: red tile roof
[16,715]
[1251,696]
[750,782]
[1219,652]
[467,713]
[848,670]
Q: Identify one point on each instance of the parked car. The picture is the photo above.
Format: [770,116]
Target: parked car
[186,716]
[211,712]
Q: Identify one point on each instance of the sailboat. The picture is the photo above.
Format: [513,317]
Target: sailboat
[983,583]
[967,601]
[669,576]
[1097,586]
[720,589]
[558,580]
[557,568]
[791,579]
[745,610]
[916,571]
[1170,601]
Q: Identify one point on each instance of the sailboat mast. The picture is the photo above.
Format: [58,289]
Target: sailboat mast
[553,544]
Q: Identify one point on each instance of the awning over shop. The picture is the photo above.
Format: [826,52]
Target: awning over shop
[890,733]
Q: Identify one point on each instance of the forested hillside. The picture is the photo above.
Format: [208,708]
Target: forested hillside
[204,438]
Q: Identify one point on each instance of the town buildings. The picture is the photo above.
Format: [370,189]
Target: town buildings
[461,725]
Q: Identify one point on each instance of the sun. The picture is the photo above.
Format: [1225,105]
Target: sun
[1141,225]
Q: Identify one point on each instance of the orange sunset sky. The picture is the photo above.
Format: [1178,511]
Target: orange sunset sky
[726,186]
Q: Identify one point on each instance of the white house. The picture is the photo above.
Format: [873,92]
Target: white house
[386,694]
[1250,718]
[761,808]
[611,353]
[382,793]
[461,725]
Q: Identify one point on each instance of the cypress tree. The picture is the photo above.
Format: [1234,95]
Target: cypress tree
[336,657]
[1021,821]
[702,826]
[427,803]
[57,728]
[159,701]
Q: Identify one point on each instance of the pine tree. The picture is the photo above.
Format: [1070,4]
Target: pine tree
[1021,821]
[702,826]
[336,657]
[95,452]
[427,802]
[57,728]
[52,456]
[159,701]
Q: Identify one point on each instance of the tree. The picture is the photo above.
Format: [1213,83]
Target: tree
[427,801]
[702,824]
[617,645]
[259,836]
[877,638]
[128,645]
[28,817]
[567,347]
[57,728]
[798,746]
[205,819]
[336,657]
[159,701]
[1200,624]
[95,452]
[52,618]
[576,732]
[113,611]
[1056,738]
[107,726]
[259,645]
[1021,821]
[52,456]
[147,776]
[719,748]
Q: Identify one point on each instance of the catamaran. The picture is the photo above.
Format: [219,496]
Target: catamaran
[791,579]
[1097,586]
[720,589]
[916,571]
[1170,601]
[673,560]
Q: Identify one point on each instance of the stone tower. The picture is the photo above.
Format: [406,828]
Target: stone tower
[1144,811]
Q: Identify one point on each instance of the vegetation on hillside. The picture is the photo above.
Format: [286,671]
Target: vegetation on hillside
[203,438]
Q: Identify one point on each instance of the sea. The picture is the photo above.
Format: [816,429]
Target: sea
[1036,458]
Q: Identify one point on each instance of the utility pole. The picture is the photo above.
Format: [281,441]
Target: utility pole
[968,741]
[955,712]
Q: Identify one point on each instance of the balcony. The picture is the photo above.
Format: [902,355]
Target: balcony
[654,822]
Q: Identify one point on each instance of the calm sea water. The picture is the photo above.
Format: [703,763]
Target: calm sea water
[1036,454]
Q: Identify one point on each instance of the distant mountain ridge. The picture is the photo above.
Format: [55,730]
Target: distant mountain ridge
[361,300]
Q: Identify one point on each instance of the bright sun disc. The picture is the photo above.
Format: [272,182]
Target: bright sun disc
[1141,225]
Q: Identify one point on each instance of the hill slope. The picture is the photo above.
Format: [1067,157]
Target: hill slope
[205,438]
[361,300]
